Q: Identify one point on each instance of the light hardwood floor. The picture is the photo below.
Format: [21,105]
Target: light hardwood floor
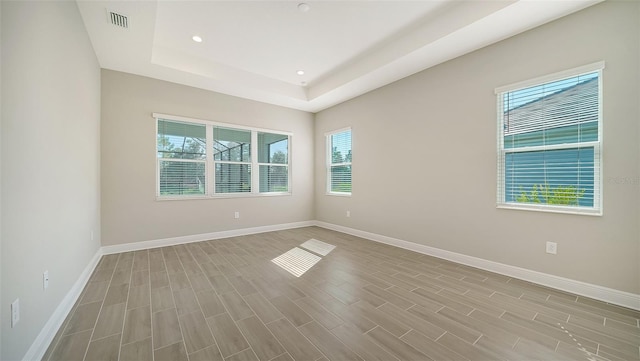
[226,300]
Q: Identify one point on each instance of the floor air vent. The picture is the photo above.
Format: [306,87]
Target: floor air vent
[118,19]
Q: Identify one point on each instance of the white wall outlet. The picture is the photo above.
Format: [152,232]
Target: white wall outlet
[552,247]
[348,213]
[45,279]
[236,215]
[15,312]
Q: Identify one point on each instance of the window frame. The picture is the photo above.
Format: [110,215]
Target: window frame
[269,164]
[159,160]
[210,163]
[501,202]
[330,164]
[230,162]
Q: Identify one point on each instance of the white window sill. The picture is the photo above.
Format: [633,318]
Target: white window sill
[338,194]
[551,209]
[223,196]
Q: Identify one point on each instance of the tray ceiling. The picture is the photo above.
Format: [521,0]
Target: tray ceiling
[256,49]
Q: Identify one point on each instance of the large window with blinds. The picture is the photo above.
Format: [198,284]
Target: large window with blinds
[549,142]
[339,162]
[199,158]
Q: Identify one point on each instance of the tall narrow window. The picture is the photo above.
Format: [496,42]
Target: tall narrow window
[181,152]
[339,162]
[549,143]
[232,159]
[273,154]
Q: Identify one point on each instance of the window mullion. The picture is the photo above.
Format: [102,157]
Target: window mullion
[210,167]
[255,169]
[553,147]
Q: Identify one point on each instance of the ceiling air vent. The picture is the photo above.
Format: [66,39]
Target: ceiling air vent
[118,19]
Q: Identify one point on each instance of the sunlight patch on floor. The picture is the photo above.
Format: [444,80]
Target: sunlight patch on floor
[296,261]
[318,247]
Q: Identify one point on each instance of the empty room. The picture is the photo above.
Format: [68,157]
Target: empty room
[320,180]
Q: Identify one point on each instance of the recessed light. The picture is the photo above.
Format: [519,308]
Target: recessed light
[303,7]
[300,72]
[197,39]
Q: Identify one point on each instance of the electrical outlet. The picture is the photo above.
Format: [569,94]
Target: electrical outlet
[15,312]
[236,215]
[45,279]
[348,213]
[552,247]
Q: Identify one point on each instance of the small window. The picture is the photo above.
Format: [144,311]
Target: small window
[549,155]
[199,158]
[339,162]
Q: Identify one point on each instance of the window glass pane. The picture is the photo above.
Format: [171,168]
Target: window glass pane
[341,147]
[341,179]
[233,178]
[560,112]
[231,144]
[273,148]
[181,140]
[182,178]
[557,177]
[274,178]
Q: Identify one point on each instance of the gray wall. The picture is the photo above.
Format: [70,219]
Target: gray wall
[130,211]
[438,128]
[50,161]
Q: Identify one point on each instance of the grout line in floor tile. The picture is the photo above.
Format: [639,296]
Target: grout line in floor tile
[151,301]
[126,311]
[101,307]
[202,310]
[174,300]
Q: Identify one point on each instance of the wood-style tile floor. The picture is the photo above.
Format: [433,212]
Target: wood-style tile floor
[226,300]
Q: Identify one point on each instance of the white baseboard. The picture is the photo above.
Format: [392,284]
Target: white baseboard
[48,332]
[613,296]
[136,246]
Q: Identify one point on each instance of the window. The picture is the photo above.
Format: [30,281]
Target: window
[198,158]
[549,143]
[181,158]
[232,159]
[273,154]
[339,162]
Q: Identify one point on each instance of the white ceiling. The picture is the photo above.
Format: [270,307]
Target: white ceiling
[253,49]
